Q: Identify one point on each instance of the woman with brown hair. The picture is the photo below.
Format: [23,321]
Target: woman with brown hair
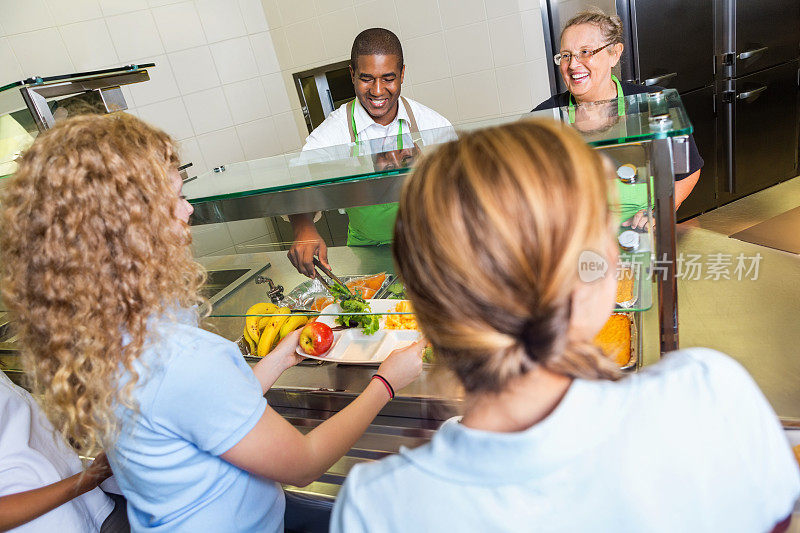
[99,276]
[487,240]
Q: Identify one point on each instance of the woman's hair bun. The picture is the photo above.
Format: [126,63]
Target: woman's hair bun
[541,333]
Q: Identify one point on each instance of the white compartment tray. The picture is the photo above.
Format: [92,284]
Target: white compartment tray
[351,346]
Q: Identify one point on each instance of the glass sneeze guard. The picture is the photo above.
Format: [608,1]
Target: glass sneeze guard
[599,123]
[18,125]
[624,139]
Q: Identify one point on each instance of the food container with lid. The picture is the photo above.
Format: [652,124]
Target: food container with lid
[627,173]
[629,240]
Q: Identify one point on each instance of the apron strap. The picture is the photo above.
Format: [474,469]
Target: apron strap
[416,136]
[351,120]
[620,101]
[620,97]
[411,118]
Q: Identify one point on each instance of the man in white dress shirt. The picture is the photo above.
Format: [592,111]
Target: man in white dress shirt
[377,112]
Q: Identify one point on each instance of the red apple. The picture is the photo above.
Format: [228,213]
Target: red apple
[316,338]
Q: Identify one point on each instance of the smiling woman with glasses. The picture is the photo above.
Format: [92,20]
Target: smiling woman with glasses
[591,46]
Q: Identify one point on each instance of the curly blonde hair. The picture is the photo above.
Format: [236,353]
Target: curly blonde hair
[91,248]
[487,240]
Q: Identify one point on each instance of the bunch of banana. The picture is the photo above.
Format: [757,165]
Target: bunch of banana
[262,333]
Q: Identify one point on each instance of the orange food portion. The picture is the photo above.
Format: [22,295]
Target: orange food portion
[321,303]
[368,293]
[797,453]
[615,339]
[375,282]
[402,321]
[368,285]
[624,285]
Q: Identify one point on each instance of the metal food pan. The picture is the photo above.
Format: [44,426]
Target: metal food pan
[381,294]
[636,291]
[636,344]
[304,294]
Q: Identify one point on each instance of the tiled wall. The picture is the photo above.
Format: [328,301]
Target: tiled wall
[212,88]
[223,82]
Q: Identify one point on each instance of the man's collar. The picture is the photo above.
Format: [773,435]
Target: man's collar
[364,121]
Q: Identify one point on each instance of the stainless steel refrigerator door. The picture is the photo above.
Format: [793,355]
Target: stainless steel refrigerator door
[699,106]
[675,42]
[758,122]
[764,33]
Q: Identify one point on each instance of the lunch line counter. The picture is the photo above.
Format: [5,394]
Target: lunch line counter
[646,144]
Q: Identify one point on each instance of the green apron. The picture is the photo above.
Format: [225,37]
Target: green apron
[374,224]
[620,102]
[371,225]
[632,198]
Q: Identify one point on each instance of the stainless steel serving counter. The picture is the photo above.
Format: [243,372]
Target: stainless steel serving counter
[754,321]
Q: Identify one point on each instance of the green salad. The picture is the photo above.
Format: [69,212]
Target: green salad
[396,291]
[354,303]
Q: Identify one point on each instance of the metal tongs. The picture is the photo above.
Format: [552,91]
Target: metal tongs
[325,270]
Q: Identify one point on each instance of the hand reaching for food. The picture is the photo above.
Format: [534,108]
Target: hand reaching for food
[404,365]
[307,244]
[286,350]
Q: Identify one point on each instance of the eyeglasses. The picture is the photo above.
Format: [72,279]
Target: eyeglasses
[583,56]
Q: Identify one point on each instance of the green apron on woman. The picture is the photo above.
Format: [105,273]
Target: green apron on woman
[632,199]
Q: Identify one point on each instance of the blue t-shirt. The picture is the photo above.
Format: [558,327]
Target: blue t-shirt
[688,444]
[197,398]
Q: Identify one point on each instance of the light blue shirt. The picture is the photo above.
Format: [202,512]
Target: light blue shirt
[197,398]
[689,444]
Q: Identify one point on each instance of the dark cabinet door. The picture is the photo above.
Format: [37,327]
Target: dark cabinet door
[759,127]
[767,33]
[699,106]
[675,42]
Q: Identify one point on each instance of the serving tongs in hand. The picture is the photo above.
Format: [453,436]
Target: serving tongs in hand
[325,270]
